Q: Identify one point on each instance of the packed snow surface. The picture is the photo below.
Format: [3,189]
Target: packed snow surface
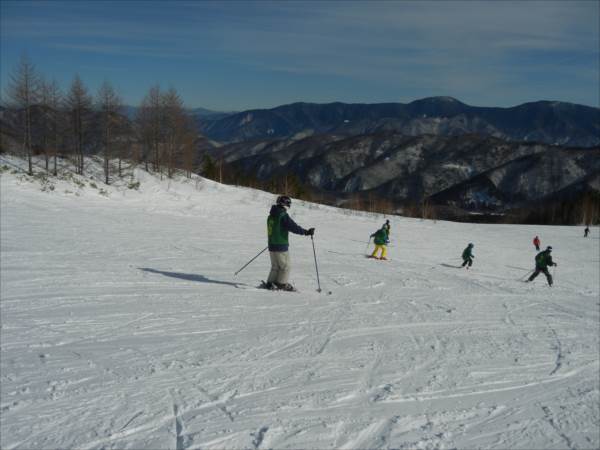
[123,326]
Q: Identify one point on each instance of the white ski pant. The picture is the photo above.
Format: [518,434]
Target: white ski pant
[280,267]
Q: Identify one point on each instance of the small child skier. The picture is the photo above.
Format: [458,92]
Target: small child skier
[542,261]
[381,240]
[467,256]
[537,243]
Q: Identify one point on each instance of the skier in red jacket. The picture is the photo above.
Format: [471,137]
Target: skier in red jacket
[537,243]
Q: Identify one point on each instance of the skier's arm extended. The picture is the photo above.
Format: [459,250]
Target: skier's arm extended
[292,226]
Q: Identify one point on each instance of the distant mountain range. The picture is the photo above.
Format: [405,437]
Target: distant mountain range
[469,172]
[197,113]
[548,122]
[436,150]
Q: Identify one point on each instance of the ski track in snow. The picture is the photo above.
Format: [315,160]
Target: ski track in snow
[123,326]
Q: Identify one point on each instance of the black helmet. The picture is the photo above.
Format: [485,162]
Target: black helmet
[284,200]
[471,244]
[549,248]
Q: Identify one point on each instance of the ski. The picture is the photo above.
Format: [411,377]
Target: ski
[375,257]
[272,287]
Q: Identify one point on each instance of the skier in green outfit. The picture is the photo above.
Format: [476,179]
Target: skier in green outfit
[467,256]
[542,261]
[381,241]
[279,223]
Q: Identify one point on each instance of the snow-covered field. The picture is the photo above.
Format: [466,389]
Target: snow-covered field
[123,326]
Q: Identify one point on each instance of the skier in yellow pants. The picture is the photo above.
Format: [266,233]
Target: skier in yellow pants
[381,240]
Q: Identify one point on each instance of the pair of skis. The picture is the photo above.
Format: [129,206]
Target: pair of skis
[269,287]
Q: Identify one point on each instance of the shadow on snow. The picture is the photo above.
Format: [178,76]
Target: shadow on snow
[450,265]
[189,277]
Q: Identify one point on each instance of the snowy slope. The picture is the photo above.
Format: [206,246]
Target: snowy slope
[123,326]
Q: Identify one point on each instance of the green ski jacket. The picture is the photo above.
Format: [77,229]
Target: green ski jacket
[467,253]
[543,259]
[381,237]
[278,226]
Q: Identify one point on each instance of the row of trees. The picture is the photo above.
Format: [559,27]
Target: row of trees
[582,208]
[163,137]
[285,183]
[75,123]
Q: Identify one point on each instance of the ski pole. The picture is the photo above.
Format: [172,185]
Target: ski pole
[368,243]
[251,260]
[316,266]
[526,275]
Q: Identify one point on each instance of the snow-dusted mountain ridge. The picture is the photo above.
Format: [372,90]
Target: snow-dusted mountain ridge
[470,172]
[549,122]
[123,326]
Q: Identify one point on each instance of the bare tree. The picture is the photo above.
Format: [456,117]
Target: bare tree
[156,126]
[150,122]
[144,132]
[189,154]
[109,105]
[56,118]
[126,145]
[79,107]
[49,119]
[176,131]
[590,209]
[22,92]
[42,125]
[427,210]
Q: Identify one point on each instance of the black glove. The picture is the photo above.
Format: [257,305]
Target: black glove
[555,264]
[310,232]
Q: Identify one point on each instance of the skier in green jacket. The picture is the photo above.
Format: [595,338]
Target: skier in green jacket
[542,261]
[467,256]
[381,240]
[279,223]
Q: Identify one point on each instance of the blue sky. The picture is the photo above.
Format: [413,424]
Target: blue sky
[234,55]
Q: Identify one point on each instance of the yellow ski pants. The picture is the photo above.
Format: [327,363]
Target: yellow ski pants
[383,249]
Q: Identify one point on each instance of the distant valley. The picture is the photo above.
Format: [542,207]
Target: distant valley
[468,172]
[436,151]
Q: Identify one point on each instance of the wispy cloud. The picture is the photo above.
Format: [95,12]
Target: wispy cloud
[129,50]
[464,47]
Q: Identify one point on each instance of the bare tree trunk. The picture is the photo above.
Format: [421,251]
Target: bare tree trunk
[22,92]
[79,104]
[176,127]
[120,159]
[107,158]
[54,104]
[109,104]
[28,139]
